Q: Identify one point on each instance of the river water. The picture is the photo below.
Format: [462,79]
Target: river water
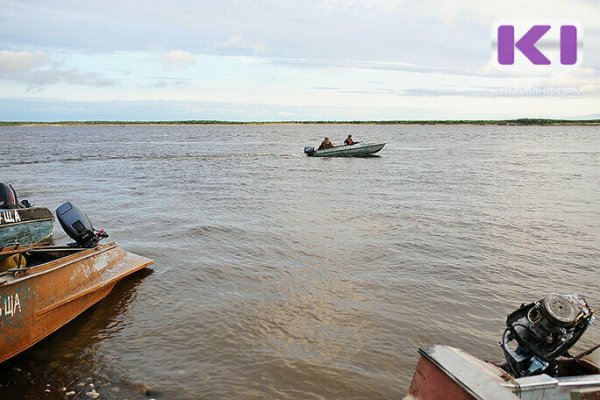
[287,277]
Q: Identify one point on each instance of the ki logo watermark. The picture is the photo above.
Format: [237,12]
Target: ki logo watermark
[554,46]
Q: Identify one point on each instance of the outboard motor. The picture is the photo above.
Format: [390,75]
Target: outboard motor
[309,150]
[78,226]
[544,330]
[9,198]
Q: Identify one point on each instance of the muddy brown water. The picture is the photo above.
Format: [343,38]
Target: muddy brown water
[286,277]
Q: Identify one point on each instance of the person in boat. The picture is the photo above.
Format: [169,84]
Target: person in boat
[325,144]
[349,141]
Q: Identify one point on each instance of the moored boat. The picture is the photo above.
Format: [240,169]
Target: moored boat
[20,222]
[52,285]
[538,364]
[353,150]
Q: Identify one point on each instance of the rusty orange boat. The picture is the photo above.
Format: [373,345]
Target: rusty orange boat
[49,286]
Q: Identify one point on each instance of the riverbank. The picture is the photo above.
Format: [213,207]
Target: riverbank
[523,121]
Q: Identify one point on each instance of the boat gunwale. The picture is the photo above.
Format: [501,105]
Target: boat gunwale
[365,145]
[458,365]
[53,265]
[98,285]
[27,222]
[30,213]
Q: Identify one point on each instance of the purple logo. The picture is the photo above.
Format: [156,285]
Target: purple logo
[531,44]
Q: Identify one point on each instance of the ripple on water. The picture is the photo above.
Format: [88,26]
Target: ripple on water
[283,276]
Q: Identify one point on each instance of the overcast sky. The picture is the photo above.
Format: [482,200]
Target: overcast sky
[282,60]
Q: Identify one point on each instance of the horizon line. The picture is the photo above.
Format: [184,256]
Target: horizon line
[518,121]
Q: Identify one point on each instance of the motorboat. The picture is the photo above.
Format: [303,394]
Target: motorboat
[20,221]
[354,150]
[45,287]
[538,364]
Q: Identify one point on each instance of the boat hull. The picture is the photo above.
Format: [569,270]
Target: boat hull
[25,225]
[354,150]
[445,372]
[49,295]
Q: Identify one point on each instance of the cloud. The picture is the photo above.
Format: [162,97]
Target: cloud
[166,81]
[36,69]
[238,43]
[360,53]
[177,58]
[502,91]
[20,61]
[453,11]
[372,65]
[70,76]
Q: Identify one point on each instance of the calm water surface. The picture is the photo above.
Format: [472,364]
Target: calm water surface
[287,277]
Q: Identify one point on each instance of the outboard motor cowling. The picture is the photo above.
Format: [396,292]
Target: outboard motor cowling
[8,196]
[309,150]
[543,331]
[78,226]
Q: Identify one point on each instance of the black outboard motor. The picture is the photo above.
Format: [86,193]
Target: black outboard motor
[544,330]
[9,198]
[78,226]
[309,150]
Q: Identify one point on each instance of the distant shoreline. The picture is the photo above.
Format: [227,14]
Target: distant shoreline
[518,122]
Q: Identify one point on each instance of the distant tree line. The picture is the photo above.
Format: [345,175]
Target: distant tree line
[521,121]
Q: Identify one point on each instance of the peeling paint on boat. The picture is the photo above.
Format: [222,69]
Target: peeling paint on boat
[49,295]
[25,226]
